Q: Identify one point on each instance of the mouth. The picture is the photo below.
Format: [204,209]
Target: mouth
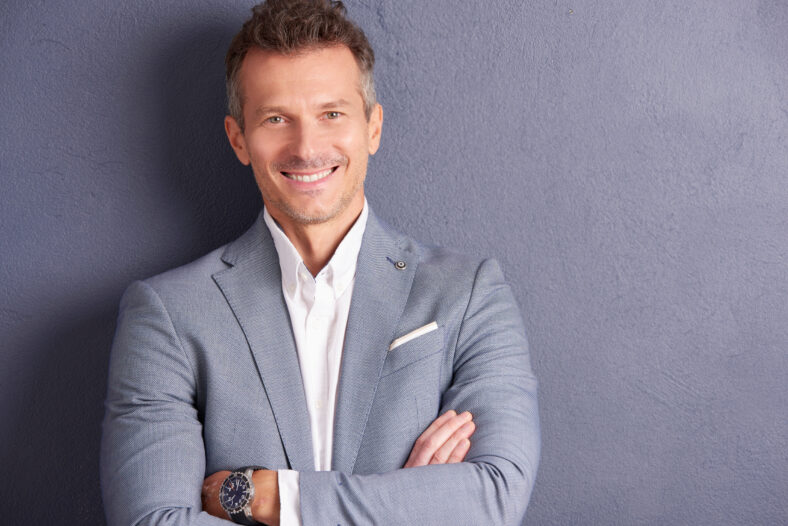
[309,177]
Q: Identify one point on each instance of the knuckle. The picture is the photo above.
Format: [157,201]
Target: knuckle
[431,443]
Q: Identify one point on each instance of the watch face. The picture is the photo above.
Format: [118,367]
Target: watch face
[235,493]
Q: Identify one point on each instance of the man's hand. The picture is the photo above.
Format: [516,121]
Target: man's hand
[445,441]
[265,507]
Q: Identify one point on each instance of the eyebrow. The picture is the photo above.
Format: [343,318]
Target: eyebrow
[266,110]
[334,104]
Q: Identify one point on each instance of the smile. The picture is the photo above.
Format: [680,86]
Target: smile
[309,178]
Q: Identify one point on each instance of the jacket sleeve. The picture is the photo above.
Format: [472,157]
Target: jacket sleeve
[492,379]
[152,452]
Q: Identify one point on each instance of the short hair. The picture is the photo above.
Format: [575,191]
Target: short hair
[293,26]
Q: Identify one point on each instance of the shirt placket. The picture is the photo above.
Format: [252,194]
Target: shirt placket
[318,324]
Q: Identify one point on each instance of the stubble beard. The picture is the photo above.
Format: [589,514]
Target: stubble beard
[301,216]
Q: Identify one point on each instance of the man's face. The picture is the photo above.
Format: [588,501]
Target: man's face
[306,134]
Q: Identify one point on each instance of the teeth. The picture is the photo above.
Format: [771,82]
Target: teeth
[309,178]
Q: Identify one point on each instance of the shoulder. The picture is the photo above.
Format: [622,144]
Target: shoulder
[436,261]
[439,263]
[194,272]
[450,276]
[194,280]
[189,284]
[450,263]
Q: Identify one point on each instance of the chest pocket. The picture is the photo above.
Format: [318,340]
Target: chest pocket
[413,351]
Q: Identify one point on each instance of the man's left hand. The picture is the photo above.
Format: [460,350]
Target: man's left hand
[445,441]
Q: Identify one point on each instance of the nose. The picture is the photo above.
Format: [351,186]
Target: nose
[306,140]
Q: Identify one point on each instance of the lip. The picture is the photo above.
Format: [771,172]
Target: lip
[309,184]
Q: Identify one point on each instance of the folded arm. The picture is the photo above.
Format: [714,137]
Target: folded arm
[493,380]
[445,441]
[153,455]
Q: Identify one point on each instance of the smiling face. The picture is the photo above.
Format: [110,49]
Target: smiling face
[306,134]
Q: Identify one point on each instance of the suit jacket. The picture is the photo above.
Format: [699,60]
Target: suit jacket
[204,376]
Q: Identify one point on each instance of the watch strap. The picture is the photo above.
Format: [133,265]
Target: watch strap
[240,517]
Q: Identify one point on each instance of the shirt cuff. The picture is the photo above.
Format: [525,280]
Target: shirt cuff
[289,498]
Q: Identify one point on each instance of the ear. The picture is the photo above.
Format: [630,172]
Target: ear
[374,127]
[237,140]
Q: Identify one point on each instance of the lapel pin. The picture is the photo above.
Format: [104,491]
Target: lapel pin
[400,265]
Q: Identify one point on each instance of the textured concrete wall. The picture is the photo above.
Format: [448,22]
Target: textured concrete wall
[625,160]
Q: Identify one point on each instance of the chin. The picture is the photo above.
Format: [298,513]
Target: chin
[310,216]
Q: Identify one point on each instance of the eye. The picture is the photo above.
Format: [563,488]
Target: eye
[332,115]
[276,119]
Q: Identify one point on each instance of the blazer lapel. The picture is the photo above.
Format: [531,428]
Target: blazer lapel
[380,292]
[253,289]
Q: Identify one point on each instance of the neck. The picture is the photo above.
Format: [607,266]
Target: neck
[317,242]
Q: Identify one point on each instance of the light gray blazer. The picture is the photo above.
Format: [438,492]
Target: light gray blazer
[204,377]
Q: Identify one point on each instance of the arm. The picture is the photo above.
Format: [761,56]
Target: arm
[445,441]
[152,452]
[493,380]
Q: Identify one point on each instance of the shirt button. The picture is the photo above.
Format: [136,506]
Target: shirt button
[319,404]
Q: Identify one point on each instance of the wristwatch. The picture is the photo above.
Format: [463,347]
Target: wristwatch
[237,493]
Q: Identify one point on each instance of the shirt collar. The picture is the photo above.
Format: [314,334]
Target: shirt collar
[341,268]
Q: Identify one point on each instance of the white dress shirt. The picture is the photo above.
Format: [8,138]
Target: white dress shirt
[318,308]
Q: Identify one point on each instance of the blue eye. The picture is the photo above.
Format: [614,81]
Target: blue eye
[275,120]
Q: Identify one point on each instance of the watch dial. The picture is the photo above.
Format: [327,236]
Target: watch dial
[234,493]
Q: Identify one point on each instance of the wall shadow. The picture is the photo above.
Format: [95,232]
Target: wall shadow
[52,451]
[216,191]
[51,443]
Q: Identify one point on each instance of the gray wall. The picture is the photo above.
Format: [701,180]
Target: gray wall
[625,160]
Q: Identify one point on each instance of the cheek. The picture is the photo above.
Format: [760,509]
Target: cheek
[351,136]
[262,153]
[354,145]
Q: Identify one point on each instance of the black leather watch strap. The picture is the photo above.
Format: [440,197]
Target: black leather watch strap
[241,518]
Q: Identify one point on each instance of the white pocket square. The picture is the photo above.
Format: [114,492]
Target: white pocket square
[421,331]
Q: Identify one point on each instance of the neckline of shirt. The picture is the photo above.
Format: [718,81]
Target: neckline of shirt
[338,272]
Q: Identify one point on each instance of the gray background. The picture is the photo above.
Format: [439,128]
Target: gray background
[624,160]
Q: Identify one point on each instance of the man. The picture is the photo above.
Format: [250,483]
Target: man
[321,369]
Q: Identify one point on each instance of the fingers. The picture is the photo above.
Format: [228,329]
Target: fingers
[442,437]
[438,422]
[458,455]
[445,452]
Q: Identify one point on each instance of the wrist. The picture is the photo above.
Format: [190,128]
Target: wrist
[265,506]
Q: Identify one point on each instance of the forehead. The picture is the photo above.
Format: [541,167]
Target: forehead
[310,76]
